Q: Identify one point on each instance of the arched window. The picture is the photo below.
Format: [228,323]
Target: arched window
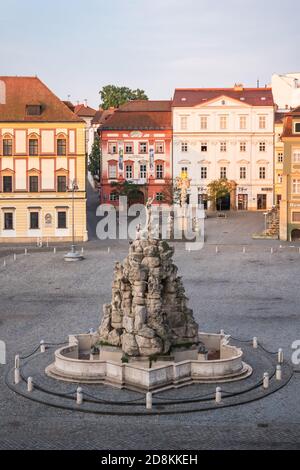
[61,145]
[7,145]
[33,145]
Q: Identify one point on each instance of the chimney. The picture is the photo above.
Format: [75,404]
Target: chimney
[238,87]
[257,83]
[85,103]
[296,83]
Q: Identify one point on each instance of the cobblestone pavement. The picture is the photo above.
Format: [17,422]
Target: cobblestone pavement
[248,294]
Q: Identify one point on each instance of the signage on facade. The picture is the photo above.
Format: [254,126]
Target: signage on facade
[137,134]
[151,160]
[267,189]
[121,157]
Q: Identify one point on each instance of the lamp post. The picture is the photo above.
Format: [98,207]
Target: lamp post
[73,255]
[265,214]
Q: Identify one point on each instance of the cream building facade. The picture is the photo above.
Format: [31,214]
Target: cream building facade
[42,153]
[226,133]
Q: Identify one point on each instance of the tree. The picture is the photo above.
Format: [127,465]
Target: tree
[218,189]
[131,190]
[94,163]
[170,192]
[114,96]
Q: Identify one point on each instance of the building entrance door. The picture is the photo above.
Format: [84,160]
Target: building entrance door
[261,202]
[243,202]
[223,203]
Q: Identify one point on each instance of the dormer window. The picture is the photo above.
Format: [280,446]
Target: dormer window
[297,128]
[33,109]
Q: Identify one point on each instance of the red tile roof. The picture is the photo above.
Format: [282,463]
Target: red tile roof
[186,97]
[23,91]
[137,115]
[288,123]
[102,115]
[279,117]
[84,111]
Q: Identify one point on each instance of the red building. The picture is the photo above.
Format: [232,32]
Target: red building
[136,147]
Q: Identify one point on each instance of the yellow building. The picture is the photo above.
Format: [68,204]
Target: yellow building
[279,157]
[42,153]
[290,203]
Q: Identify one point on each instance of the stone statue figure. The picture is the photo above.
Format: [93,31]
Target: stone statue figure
[149,215]
[183,183]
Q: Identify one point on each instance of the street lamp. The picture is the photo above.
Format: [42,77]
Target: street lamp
[265,214]
[73,255]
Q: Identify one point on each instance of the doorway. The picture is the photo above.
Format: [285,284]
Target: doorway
[243,202]
[261,202]
[295,235]
[223,203]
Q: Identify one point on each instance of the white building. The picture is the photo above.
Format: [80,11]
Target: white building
[286,90]
[226,133]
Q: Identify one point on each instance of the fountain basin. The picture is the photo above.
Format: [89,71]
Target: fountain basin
[74,363]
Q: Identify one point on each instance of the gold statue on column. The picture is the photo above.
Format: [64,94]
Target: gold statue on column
[183,183]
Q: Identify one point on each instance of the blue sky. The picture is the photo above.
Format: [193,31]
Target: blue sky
[77,46]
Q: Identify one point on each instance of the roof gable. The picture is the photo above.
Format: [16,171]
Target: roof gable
[223,101]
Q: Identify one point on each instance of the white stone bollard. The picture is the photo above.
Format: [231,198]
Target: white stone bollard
[30,384]
[15,257]
[217,249]
[255,342]
[25,252]
[42,345]
[47,243]
[4,263]
[280,356]
[278,372]
[108,250]
[149,401]
[82,250]
[272,250]
[79,396]
[54,250]
[17,376]
[244,250]
[218,395]
[17,361]
[266,380]
[222,332]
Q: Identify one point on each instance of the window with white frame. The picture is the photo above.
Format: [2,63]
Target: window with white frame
[262,120]
[128,147]
[243,122]
[112,148]
[61,219]
[159,171]
[280,157]
[112,170]
[143,147]
[243,173]
[262,146]
[296,156]
[128,171]
[223,122]
[8,221]
[296,186]
[184,146]
[203,122]
[184,170]
[204,172]
[159,147]
[223,147]
[243,146]
[223,172]
[297,127]
[183,123]
[113,197]
[262,172]
[203,146]
[159,197]
[279,178]
[143,171]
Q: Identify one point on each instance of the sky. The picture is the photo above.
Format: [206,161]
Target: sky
[78,46]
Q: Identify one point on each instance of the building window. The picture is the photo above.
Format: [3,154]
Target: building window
[34,221]
[223,147]
[33,109]
[143,147]
[33,147]
[61,184]
[159,197]
[262,122]
[184,146]
[61,219]
[262,146]
[262,173]
[7,147]
[7,184]
[203,122]
[243,122]
[8,221]
[113,197]
[223,122]
[128,172]
[61,147]
[296,217]
[296,157]
[159,147]
[183,123]
[223,172]
[203,173]
[279,178]
[34,184]
[280,157]
[243,146]
[243,173]
[112,171]
[184,171]
[296,186]
[128,147]
[159,171]
[112,148]
[297,127]
[203,146]
[143,171]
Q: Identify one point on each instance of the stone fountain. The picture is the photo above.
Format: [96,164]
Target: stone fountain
[148,338]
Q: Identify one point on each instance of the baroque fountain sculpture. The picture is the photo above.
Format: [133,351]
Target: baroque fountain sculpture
[148,338]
